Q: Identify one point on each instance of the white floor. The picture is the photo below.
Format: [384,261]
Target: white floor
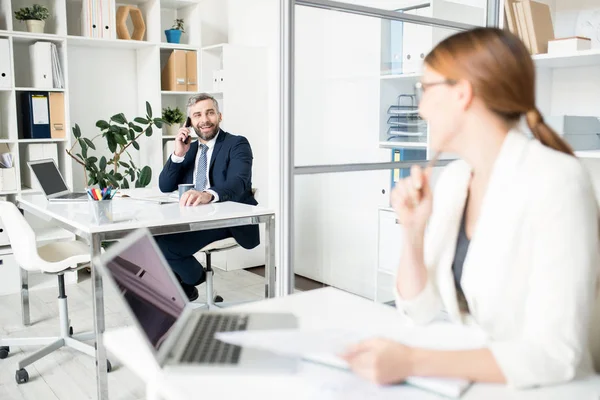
[67,374]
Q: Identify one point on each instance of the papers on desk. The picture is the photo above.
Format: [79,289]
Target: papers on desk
[324,346]
[153,198]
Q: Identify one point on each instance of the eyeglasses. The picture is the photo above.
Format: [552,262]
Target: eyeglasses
[421,87]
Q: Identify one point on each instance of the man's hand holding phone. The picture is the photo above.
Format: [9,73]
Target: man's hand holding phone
[183,139]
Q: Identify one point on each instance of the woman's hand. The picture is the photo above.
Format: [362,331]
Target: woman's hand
[381,361]
[412,200]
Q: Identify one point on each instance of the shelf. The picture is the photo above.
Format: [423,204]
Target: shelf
[3,89]
[584,58]
[28,190]
[588,154]
[6,141]
[27,37]
[7,192]
[177,3]
[108,43]
[402,145]
[401,76]
[34,89]
[168,137]
[178,46]
[175,93]
[51,140]
[215,47]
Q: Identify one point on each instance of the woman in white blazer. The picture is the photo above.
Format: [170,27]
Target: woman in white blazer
[509,239]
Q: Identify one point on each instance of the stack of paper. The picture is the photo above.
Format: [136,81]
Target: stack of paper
[325,346]
[57,75]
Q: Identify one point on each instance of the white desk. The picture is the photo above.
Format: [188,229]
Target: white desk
[322,308]
[129,215]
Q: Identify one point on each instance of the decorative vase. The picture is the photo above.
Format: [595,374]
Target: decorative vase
[173,129]
[173,35]
[35,26]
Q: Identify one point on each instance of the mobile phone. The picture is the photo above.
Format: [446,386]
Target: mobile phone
[188,124]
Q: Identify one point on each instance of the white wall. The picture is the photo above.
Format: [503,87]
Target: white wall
[101,83]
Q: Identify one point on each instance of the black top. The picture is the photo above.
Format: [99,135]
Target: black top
[462,246]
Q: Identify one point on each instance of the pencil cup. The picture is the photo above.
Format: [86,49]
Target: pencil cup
[184,187]
[101,211]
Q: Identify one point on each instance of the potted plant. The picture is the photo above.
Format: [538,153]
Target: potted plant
[35,17]
[173,117]
[120,134]
[174,34]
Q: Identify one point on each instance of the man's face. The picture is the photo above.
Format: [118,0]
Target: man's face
[205,119]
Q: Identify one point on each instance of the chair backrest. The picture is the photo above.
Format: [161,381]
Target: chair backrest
[20,234]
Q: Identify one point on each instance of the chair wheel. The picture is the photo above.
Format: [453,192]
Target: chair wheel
[70,331]
[218,299]
[4,350]
[108,366]
[21,376]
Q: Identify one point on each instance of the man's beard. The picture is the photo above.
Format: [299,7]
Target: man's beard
[208,136]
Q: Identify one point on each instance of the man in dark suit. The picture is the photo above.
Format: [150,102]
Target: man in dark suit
[219,165]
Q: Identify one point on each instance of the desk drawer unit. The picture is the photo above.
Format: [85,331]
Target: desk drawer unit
[388,254]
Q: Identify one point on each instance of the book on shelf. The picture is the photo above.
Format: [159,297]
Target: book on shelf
[532,22]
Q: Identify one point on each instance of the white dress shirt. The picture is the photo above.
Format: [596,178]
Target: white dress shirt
[530,273]
[211,145]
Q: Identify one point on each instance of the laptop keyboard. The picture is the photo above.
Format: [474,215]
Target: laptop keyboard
[204,348]
[71,196]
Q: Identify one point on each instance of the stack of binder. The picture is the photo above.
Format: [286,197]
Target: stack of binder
[98,19]
[181,72]
[532,22]
[5,71]
[404,122]
[46,72]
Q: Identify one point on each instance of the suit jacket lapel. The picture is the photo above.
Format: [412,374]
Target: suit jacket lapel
[218,144]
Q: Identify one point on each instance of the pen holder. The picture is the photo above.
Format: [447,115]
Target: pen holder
[101,211]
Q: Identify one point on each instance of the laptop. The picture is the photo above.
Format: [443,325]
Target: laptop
[52,182]
[178,333]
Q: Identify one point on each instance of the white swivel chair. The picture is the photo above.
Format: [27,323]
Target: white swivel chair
[212,300]
[54,258]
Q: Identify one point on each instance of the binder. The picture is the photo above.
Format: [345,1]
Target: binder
[36,115]
[522,24]
[174,75]
[107,21]
[5,71]
[40,55]
[98,19]
[191,66]
[538,18]
[57,114]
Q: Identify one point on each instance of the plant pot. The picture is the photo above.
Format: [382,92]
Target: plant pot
[173,35]
[173,129]
[35,26]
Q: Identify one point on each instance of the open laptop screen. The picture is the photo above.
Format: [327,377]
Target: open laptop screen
[49,178]
[151,293]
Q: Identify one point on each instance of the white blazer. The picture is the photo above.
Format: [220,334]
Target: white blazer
[530,272]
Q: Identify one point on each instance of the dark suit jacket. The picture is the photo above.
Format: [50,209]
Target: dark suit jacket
[230,174]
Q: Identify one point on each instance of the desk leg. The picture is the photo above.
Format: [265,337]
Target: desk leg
[270,258]
[98,308]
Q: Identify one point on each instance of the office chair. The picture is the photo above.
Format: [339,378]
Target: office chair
[213,300]
[55,258]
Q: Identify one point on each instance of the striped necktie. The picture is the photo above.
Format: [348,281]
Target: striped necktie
[201,171]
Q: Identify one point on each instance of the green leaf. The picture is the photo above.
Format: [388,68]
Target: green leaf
[144,178]
[76,131]
[135,144]
[149,110]
[113,180]
[137,128]
[132,173]
[84,152]
[125,184]
[90,143]
[149,131]
[103,163]
[121,139]
[132,164]
[141,120]
[79,155]
[119,118]
[92,160]
[124,164]
[91,181]
[158,122]
[82,143]
[112,143]
[102,124]
[118,176]
[131,135]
